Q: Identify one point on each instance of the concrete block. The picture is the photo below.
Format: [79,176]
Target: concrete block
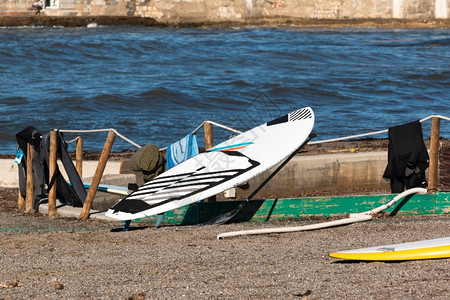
[321,173]
[104,200]
[9,175]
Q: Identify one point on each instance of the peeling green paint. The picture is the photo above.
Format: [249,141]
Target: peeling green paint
[293,208]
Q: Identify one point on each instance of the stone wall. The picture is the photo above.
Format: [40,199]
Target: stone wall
[328,174]
[12,6]
[173,11]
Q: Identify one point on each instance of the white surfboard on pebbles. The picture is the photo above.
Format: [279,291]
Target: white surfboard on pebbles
[227,165]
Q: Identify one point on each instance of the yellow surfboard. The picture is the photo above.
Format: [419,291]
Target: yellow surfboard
[426,249]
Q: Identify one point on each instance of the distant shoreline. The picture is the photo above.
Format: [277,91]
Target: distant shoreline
[47,21]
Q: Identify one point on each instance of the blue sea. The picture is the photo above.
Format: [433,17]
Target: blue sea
[155,85]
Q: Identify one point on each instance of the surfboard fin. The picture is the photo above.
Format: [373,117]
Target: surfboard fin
[159,220]
[223,218]
[126,226]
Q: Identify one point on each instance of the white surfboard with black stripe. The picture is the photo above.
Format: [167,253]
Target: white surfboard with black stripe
[227,165]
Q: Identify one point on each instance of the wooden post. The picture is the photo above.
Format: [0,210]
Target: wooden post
[20,201]
[434,154]
[52,170]
[97,176]
[209,143]
[79,157]
[30,182]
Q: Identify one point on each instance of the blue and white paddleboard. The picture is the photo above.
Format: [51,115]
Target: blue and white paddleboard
[113,189]
[227,165]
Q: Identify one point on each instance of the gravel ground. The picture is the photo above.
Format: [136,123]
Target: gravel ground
[52,258]
[55,258]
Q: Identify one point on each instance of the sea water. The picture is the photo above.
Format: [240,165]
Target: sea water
[155,85]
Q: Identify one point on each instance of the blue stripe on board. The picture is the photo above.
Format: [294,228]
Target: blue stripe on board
[231,146]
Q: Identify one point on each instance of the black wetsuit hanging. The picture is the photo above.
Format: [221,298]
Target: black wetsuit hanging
[73,194]
[31,135]
[407,157]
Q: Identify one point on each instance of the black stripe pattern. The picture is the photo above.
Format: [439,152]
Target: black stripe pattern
[165,189]
[301,114]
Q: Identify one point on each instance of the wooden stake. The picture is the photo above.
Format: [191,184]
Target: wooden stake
[209,143]
[79,157]
[20,201]
[30,182]
[97,176]
[52,170]
[434,154]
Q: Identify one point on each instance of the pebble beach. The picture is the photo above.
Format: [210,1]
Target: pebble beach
[162,80]
[60,258]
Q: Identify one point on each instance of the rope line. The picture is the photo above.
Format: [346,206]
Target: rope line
[218,125]
[349,137]
[239,132]
[100,130]
[373,133]
[434,116]
[74,140]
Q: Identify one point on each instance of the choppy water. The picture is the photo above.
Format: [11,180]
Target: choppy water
[155,85]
